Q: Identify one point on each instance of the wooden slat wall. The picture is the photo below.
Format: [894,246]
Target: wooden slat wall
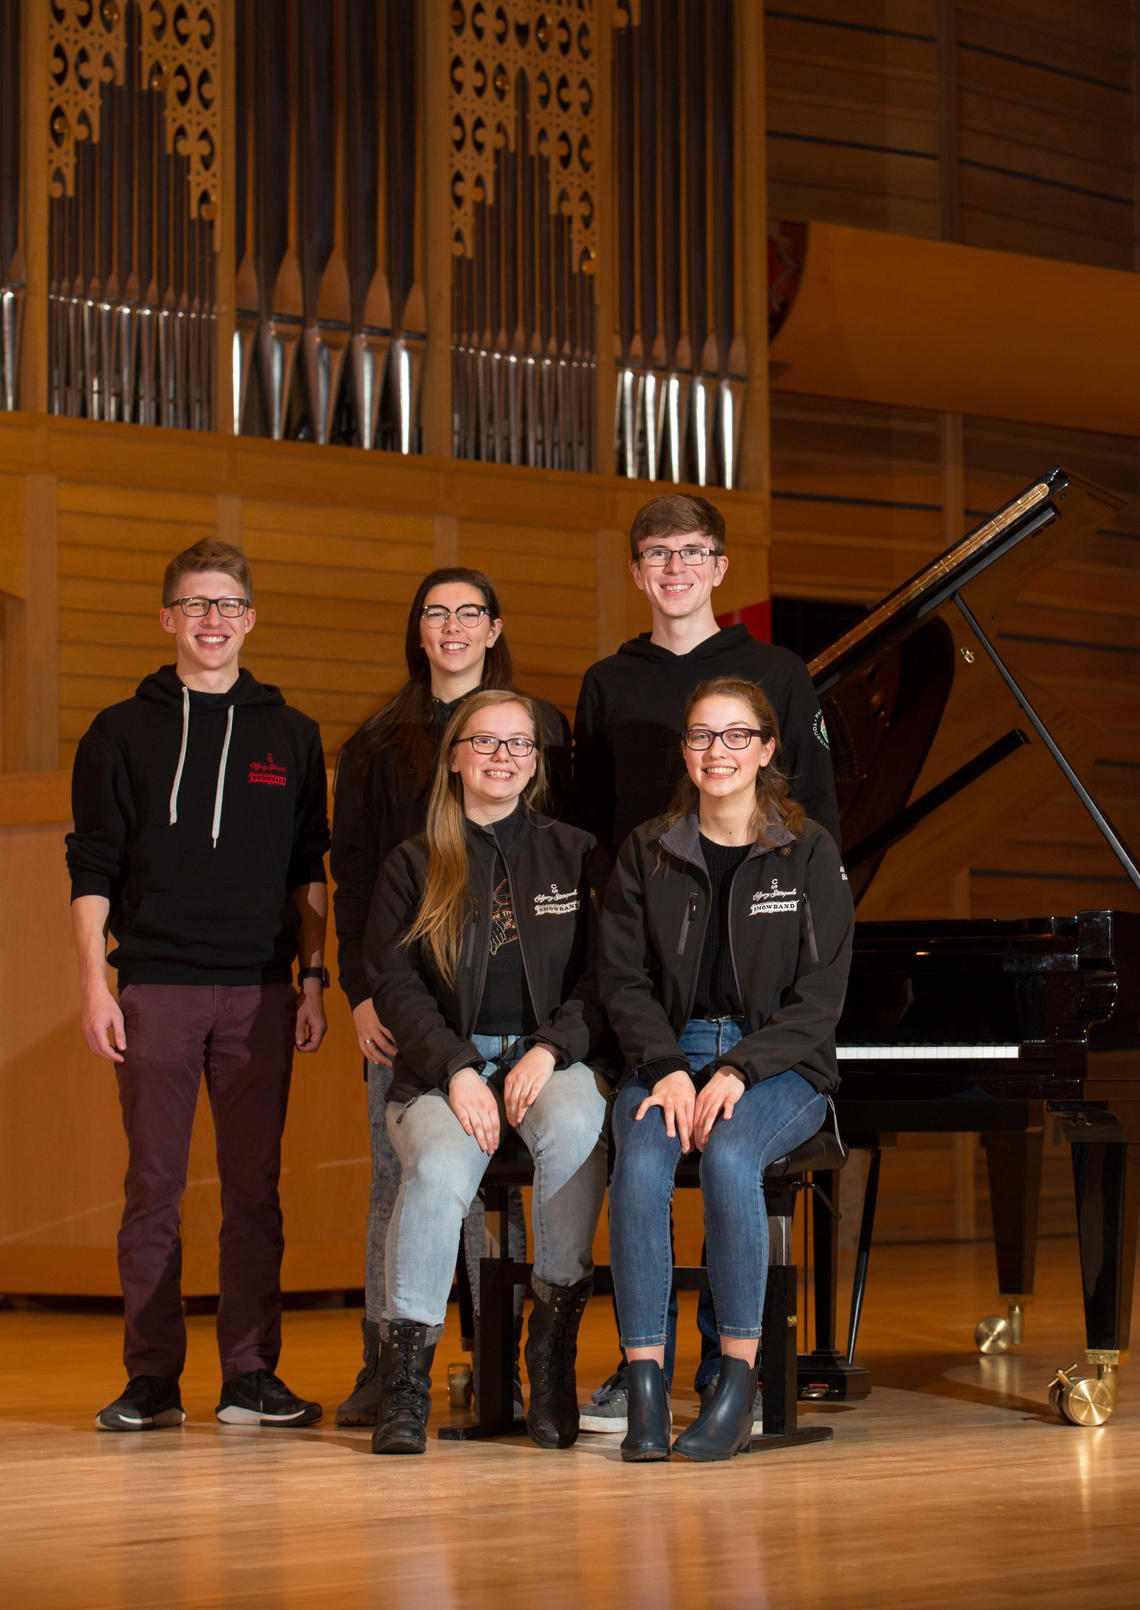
[1042,109]
[338,542]
[857,507]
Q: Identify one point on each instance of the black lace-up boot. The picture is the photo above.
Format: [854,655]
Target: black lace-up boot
[407,1351]
[551,1348]
[361,1406]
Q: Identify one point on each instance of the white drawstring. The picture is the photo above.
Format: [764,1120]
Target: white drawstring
[181,756]
[221,788]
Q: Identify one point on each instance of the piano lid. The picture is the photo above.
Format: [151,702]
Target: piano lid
[935,744]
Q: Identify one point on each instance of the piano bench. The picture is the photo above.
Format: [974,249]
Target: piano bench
[499,1276]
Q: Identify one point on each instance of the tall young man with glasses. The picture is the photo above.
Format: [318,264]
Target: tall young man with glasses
[200,833]
[627,751]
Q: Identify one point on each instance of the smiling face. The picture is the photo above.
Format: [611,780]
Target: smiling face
[208,647]
[678,591]
[720,773]
[493,783]
[455,651]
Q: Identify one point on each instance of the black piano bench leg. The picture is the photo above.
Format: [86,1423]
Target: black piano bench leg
[494,1377]
[778,1343]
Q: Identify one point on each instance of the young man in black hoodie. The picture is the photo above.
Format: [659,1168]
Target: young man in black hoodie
[200,833]
[627,750]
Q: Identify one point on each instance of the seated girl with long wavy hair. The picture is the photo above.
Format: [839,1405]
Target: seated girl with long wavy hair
[477,946]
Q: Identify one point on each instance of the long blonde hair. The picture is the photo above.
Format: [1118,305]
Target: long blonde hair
[447,901]
[773,795]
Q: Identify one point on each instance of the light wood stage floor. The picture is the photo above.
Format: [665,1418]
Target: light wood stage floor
[953,1484]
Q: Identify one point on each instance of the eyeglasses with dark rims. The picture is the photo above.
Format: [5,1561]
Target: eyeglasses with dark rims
[230,608]
[485,743]
[690,554]
[439,615]
[699,738]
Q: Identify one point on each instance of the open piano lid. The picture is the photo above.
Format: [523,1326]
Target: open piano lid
[933,749]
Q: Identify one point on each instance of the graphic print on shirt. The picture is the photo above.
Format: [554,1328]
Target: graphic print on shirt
[268,771]
[503,929]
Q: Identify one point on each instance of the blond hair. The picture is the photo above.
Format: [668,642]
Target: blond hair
[447,901]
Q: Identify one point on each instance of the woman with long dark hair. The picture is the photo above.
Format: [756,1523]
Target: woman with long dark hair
[726,942]
[478,949]
[454,644]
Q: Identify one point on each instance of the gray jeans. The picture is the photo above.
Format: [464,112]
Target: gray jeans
[382,1199]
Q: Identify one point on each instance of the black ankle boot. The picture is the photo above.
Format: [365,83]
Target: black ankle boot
[551,1348]
[361,1405]
[406,1354]
[725,1427]
[649,1419]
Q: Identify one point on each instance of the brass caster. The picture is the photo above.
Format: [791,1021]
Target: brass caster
[460,1388]
[1084,1402]
[993,1334]
[997,1332]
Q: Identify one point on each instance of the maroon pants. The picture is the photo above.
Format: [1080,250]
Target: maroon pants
[241,1038]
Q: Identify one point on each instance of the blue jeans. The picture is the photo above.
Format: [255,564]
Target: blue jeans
[768,1120]
[441,1167]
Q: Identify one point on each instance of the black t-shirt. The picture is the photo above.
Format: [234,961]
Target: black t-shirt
[716,986]
[505,1007]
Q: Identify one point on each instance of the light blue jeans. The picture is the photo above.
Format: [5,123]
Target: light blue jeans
[768,1120]
[441,1167]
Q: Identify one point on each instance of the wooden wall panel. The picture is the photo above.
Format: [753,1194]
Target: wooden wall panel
[1025,113]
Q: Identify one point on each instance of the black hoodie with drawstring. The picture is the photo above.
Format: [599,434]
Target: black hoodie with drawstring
[196,816]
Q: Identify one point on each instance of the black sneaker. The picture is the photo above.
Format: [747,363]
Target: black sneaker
[260,1398]
[145,1403]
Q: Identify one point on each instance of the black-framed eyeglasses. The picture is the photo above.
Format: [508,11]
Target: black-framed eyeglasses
[231,608]
[690,554]
[485,743]
[438,615]
[732,737]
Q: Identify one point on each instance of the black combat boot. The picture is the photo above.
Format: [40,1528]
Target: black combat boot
[360,1407]
[406,1354]
[648,1414]
[551,1348]
[723,1428]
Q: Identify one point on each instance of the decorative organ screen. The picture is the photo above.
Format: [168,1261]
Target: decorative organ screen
[237,190]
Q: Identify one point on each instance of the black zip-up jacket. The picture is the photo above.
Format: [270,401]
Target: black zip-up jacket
[370,820]
[790,927]
[627,729]
[196,816]
[553,871]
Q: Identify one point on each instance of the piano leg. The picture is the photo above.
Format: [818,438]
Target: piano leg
[1013,1166]
[1106,1183]
[825,1372]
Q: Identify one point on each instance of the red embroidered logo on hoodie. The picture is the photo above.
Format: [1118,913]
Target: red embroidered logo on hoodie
[267,771]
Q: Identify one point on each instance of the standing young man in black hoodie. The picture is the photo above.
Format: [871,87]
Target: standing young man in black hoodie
[200,832]
[627,749]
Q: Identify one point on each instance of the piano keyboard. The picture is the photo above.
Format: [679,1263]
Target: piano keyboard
[927,1053]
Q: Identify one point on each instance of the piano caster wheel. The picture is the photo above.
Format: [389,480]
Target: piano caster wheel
[460,1388]
[993,1334]
[997,1333]
[1085,1402]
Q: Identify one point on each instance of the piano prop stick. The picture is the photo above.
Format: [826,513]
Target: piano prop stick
[986,1026]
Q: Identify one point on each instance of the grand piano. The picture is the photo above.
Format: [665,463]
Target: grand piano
[980,1026]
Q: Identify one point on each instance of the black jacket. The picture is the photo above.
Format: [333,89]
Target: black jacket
[196,816]
[371,815]
[790,930]
[627,730]
[552,870]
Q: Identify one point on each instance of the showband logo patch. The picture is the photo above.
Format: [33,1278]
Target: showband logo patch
[766,902]
[268,771]
[556,904]
[819,727]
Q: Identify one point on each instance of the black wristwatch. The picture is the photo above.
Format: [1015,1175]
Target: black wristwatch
[314,972]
